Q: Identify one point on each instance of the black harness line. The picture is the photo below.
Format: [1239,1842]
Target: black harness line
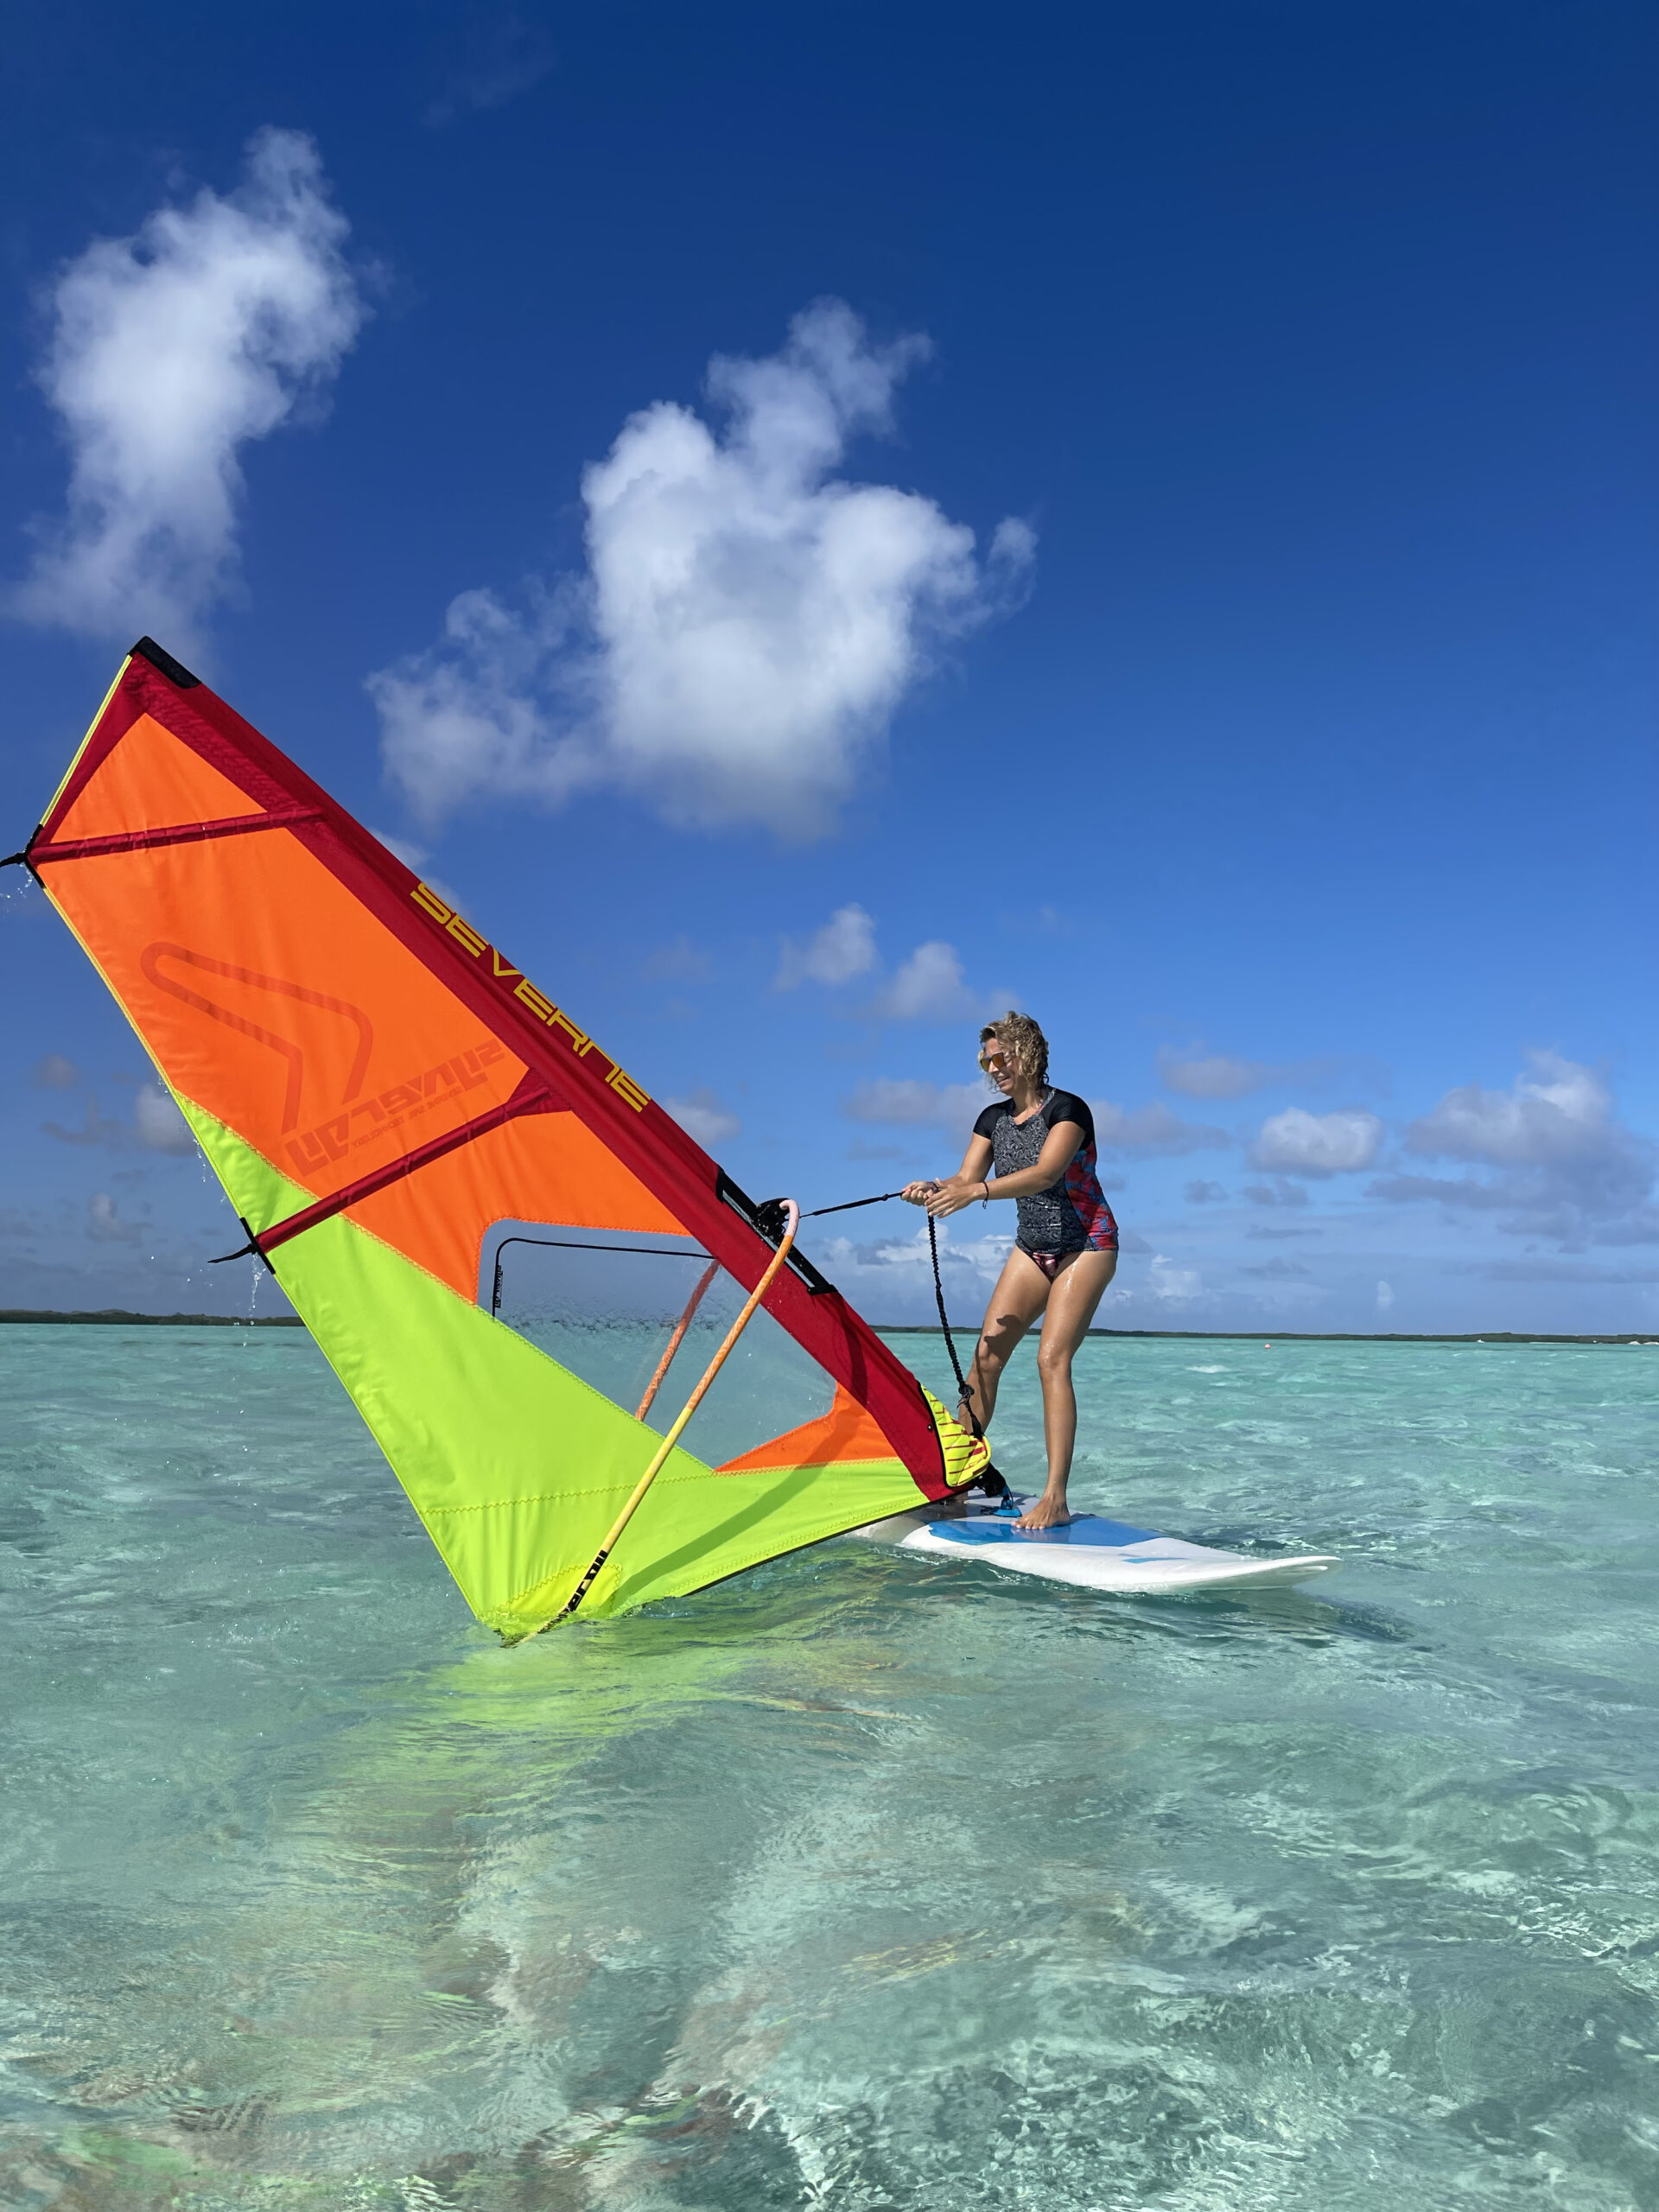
[848,1205]
[962,1384]
[990,1482]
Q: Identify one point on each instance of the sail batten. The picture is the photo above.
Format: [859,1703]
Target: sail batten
[182,833]
[534,1101]
[379,1086]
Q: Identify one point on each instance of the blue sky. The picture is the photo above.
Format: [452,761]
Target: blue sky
[818,524]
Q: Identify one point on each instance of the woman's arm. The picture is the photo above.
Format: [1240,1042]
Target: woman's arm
[969,1177]
[1063,1142]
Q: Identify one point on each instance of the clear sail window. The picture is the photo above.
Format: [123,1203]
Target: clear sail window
[640,1317]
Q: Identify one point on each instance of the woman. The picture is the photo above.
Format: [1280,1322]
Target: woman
[1041,1143]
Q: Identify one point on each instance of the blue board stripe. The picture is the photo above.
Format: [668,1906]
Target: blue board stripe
[1086,1533]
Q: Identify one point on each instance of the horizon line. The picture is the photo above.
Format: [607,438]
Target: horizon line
[116,1316]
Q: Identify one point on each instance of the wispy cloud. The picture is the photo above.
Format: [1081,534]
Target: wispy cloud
[170,350]
[54,1073]
[1204,1194]
[96,1128]
[1540,1270]
[489,63]
[416,857]
[1297,1142]
[1197,1073]
[702,1115]
[747,624]
[156,1126]
[842,950]
[105,1223]
[1152,1131]
[680,962]
[1282,1191]
[907,1103]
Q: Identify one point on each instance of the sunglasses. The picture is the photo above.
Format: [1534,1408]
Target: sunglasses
[993,1061]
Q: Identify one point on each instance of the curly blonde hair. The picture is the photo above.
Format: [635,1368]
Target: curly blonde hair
[1019,1034]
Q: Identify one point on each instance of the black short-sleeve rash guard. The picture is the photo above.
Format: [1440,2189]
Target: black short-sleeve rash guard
[1072,1215]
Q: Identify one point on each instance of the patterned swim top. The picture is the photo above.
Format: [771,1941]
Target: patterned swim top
[1070,1215]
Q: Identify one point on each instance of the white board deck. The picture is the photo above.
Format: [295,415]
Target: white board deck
[1090,1552]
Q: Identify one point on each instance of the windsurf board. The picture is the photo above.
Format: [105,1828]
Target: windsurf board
[1090,1551]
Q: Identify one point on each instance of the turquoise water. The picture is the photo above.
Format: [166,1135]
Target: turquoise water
[862,1881]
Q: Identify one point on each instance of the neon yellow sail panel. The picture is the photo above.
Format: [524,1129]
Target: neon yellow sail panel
[392,1104]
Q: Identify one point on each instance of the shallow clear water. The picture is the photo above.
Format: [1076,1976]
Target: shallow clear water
[862,1881]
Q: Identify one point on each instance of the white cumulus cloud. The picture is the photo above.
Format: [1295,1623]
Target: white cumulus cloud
[169,350]
[843,949]
[1297,1142]
[931,987]
[1564,1165]
[864,1265]
[1176,1285]
[1558,1111]
[748,622]
[160,1126]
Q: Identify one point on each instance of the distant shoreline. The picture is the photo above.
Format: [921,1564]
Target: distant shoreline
[114,1317]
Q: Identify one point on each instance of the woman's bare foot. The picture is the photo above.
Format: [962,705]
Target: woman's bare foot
[1047,1512]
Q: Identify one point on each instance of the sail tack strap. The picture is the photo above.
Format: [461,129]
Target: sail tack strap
[791,1222]
[264,1242]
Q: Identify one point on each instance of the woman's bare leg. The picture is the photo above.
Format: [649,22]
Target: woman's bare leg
[1020,1294]
[1078,1288]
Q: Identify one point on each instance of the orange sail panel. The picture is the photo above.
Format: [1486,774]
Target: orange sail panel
[381,1088]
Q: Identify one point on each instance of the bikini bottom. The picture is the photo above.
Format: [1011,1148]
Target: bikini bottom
[1051,1263]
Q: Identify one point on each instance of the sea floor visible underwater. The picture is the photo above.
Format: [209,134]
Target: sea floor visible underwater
[864,1881]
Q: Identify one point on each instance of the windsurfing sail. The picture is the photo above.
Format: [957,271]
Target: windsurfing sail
[489,1228]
